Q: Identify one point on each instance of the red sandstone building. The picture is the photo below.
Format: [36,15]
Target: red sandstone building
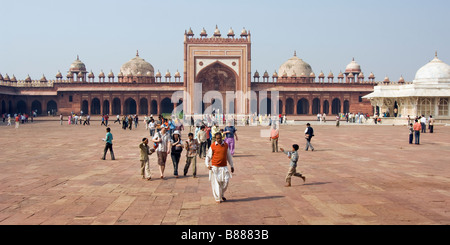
[217,77]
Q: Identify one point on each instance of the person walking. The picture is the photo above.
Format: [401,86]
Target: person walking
[145,151]
[230,133]
[17,120]
[191,146]
[293,156]
[216,161]
[61,119]
[274,135]
[309,133]
[108,139]
[117,119]
[177,147]
[201,137]
[417,128]
[163,139]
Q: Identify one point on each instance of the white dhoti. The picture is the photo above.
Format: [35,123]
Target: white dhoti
[219,177]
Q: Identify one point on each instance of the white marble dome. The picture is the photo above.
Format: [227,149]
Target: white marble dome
[435,71]
[353,67]
[295,66]
[137,65]
[77,65]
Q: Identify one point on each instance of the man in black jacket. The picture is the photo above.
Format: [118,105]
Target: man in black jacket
[309,133]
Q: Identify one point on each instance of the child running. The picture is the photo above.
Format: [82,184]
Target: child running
[293,155]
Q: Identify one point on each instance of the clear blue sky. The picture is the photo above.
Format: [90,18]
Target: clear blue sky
[392,38]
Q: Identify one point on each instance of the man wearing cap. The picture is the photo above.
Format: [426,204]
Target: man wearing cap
[163,139]
[216,160]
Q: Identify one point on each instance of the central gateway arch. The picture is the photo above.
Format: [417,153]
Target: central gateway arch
[217,73]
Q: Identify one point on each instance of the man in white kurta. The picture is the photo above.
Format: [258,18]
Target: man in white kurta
[216,160]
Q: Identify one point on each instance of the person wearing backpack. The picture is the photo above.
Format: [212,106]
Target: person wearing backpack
[309,133]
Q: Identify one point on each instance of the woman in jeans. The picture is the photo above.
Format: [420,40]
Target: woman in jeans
[177,148]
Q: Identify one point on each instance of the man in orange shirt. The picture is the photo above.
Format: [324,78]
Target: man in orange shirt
[216,160]
[417,127]
[274,135]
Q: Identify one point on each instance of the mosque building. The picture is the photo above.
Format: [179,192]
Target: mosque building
[217,77]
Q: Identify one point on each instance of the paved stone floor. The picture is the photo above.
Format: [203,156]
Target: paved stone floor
[358,174]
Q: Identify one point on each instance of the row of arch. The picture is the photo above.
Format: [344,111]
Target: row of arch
[129,106]
[21,107]
[302,106]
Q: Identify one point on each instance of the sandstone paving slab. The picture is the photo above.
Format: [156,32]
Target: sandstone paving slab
[358,174]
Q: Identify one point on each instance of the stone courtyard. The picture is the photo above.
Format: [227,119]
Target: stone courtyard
[357,175]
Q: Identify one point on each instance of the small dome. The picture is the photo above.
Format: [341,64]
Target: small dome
[331,75]
[28,79]
[244,32]
[135,65]
[401,80]
[59,75]
[217,32]
[340,75]
[101,74]
[436,71]
[139,74]
[6,78]
[158,74]
[351,75]
[256,74]
[120,74]
[312,74]
[148,74]
[177,74]
[321,75]
[13,79]
[275,74]
[386,80]
[361,75]
[91,75]
[266,74]
[203,33]
[230,33]
[296,66]
[167,74]
[77,66]
[190,32]
[43,78]
[353,67]
[372,76]
[69,74]
[111,74]
[1,77]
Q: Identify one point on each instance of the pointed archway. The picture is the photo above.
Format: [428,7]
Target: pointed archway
[216,80]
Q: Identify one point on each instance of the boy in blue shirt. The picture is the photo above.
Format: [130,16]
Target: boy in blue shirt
[108,145]
[293,155]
